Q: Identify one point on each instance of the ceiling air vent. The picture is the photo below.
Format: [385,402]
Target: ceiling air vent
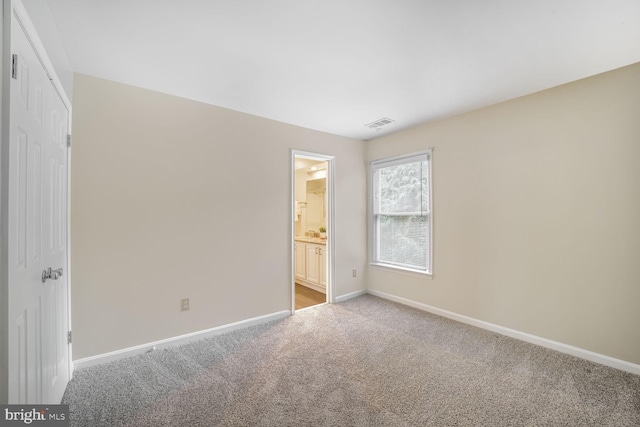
[379,123]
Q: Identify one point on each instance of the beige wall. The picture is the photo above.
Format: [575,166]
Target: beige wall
[536,205]
[163,208]
[537,214]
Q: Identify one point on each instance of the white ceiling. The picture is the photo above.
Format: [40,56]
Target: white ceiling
[337,65]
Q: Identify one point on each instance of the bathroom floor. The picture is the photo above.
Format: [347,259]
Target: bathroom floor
[306,297]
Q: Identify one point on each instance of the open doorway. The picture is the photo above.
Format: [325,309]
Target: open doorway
[312,229]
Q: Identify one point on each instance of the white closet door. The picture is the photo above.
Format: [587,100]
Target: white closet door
[38,312]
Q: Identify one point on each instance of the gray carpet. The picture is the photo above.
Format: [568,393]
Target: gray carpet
[363,362]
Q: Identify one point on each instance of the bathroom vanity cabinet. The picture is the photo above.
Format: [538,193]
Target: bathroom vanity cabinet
[311,264]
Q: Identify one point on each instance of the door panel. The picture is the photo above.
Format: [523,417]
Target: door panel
[21,162]
[38,312]
[313,269]
[300,255]
[322,266]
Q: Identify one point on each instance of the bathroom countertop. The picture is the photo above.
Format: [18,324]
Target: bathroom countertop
[308,239]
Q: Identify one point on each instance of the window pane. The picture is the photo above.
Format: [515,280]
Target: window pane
[403,188]
[403,240]
[402,211]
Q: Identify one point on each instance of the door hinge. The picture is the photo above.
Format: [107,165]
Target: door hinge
[69,337]
[14,66]
[68,140]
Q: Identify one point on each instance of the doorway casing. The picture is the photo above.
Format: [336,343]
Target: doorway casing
[330,265]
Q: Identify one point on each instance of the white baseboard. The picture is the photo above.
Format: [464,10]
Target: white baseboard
[350,295]
[181,339]
[533,339]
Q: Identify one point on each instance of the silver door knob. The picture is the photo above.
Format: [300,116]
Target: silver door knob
[52,274]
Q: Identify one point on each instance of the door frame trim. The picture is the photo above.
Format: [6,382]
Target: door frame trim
[330,222]
[11,8]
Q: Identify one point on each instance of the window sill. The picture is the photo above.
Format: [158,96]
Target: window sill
[410,271]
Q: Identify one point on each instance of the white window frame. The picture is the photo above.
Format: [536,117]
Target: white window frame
[375,243]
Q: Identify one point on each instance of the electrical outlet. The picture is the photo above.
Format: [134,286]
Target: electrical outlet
[355,272]
[184,304]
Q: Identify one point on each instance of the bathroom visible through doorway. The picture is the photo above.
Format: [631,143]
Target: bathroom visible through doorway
[311,226]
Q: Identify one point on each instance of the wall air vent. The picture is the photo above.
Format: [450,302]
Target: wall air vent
[379,123]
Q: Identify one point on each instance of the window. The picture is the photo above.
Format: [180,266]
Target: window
[402,212]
